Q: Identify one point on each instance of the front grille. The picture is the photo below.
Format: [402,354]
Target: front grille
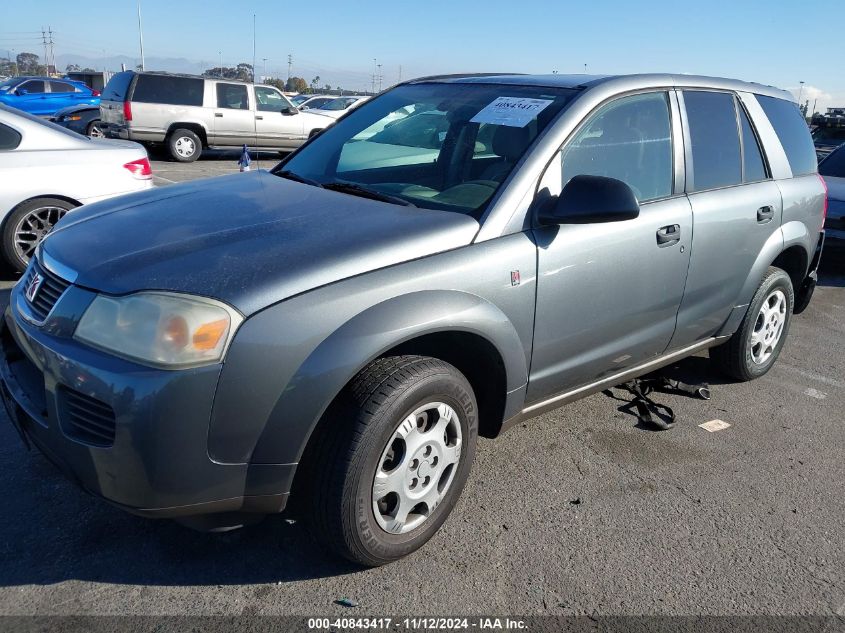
[86,419]
[48,294]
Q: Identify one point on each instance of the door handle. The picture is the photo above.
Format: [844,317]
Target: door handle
[259,118]
[765,214]
[668,235]
[218,114]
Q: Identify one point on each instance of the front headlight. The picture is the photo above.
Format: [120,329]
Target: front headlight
[160,329]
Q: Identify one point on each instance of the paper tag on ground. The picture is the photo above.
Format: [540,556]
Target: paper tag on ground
[714,425]
[511,111]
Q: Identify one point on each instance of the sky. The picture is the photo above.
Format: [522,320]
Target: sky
[777,42]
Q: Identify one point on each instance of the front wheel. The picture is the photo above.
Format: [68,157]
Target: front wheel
[27,225]
[95,130]
[394,458]
[756,345]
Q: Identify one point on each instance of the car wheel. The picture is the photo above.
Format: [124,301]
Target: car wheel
[94,130]
[756,345]
[27,225]
[393,458]
[184,145]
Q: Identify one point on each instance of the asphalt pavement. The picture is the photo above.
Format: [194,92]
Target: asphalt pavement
[580,511]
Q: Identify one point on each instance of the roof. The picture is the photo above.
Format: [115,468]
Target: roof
[623,81]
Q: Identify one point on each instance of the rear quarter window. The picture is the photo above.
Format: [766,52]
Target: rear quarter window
[9,138]
[117,87]
[793,132]
[185,91]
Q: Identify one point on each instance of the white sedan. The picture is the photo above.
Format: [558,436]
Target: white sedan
[47,170]
[338,107]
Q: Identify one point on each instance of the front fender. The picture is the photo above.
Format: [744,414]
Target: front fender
[277,432]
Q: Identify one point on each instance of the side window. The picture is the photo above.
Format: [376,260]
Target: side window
[61,86]
[270,100]
[232,96]
[33,86]
[793,132]
[716,156]
[753,167]
[167,89]
[9,138]
[629,139]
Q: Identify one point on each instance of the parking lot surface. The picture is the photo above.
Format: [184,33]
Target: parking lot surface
[580,511]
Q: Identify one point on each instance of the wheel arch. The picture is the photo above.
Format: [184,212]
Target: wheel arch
[194,126]
[462,329]
[57,196]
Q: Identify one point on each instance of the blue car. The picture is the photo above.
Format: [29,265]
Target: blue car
[44,96]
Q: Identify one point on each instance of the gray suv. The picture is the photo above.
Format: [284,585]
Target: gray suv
[455,256]
[188,114]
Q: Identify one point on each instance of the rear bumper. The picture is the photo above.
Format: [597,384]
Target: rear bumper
[804,293]
[157,463]
[127,133]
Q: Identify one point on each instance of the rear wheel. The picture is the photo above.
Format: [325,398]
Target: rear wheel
[94,130]
[184,145]
[394,458]
[756,345]
[27,225]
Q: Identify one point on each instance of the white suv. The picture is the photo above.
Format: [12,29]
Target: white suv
[189,113]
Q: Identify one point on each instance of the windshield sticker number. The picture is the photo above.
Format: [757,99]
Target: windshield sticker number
[511,111]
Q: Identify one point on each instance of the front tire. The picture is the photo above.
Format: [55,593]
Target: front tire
[393,459]
[756,345]
[27,225]
[94,130]
[184,145]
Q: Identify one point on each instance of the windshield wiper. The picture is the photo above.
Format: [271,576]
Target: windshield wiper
[358,190]
[286,173]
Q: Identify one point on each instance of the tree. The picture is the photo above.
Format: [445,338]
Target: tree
[276,83]
[314,83]
[72,68]
[327,88]
[296,84]
[7,68]
[28,64]
[244,72]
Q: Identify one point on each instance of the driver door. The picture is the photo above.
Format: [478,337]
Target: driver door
[274,129]
[608,293]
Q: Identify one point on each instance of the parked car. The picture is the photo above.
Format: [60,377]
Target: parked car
[82,119]
[343,336]
[832,170]
[827,139]
[339,106]
[315,101]
[189,114]
[48,171]
[44,96]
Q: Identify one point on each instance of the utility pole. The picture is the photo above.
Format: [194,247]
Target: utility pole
[815,101]
[253,48]
[220,54]
[400,74]
[141,37]
[585,69]
[264,78]
[52,61]
[800,91]
[373,90]
[290,65]
[44,42]
[379,77]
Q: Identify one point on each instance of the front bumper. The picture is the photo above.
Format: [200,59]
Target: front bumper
[157,463]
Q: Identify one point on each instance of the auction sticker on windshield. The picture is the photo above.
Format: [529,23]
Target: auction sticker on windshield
[511,111]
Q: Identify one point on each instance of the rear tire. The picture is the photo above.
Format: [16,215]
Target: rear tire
[184,145]
[27,225]
[393,458]
[756,345]
[94,130]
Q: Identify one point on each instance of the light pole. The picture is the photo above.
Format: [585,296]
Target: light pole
[220,54]
[264,78]
[141,36]
[800,92]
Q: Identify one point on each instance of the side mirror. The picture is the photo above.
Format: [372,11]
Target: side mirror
[21,92]
[591,199]
[288,111]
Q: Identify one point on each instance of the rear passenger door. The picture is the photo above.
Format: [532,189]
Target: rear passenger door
[608,293]
[234,120]
[736,209]
[62,95]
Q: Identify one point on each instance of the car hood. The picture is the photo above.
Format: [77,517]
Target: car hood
[250,240]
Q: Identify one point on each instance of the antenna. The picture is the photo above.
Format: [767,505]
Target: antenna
[141,37]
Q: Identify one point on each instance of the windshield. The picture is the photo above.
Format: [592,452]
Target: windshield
[834,164]
[300,98]
[7,85]
[833,136]
[439,146]
[337,104]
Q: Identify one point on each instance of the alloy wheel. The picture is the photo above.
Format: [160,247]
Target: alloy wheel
[34,227]
[768,328]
